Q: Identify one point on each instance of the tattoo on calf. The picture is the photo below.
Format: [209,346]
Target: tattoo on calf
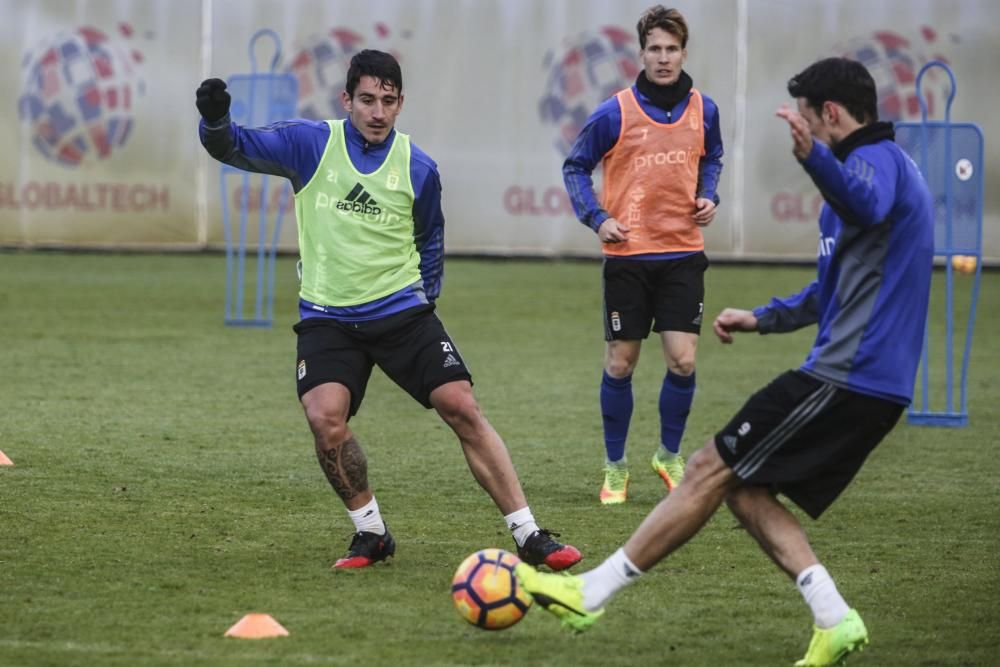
[346,468]
[354,464]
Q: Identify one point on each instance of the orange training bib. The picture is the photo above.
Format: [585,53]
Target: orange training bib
[651,177]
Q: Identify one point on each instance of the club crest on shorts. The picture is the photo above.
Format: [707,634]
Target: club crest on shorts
[616,321]
[302,369]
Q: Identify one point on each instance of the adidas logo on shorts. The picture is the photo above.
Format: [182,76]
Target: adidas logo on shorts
[450,360]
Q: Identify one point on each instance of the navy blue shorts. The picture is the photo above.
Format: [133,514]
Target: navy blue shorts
[659,295]
[411,347]
[805,438]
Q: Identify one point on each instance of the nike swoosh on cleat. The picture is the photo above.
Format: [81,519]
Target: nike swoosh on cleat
[547,602]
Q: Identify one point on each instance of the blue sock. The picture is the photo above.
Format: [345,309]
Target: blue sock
[616,411]
[675,404]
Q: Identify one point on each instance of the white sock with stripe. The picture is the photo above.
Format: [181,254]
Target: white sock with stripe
[601,583]
[820,593]
[521,524]
[368,518]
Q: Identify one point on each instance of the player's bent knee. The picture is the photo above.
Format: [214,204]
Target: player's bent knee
[456,404]
[683,367]
[463,415]
[620,358]
[330,425]
[681,364]
[619,368]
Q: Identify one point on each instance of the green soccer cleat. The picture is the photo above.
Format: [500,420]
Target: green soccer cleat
[831,645]
[615,489]
[670,470]
[560,594]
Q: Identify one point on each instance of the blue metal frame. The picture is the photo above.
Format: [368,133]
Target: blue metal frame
[276,107]
[924,415]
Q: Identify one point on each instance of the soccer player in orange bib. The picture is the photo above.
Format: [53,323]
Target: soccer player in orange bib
[660,148]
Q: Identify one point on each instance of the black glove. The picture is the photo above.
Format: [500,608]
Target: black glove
[212,99]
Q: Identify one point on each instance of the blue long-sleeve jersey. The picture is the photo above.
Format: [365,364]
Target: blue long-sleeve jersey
[601,133]
[876,251]
[293,150]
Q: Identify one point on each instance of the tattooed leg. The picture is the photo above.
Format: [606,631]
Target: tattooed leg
[346,469]
[339,453]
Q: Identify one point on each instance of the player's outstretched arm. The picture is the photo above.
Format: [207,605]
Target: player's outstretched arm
[733,319]
[289,149]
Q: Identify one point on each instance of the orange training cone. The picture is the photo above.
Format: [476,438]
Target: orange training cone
[256,626]
[4,461]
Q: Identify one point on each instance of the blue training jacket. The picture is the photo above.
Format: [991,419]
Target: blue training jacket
[876,253]
[293,149]
[600,134]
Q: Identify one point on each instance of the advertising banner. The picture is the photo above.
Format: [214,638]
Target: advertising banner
[92,96]
[101,131]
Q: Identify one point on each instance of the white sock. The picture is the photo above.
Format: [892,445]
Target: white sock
[821,595]
[521,524]
[368,518]
[608,578]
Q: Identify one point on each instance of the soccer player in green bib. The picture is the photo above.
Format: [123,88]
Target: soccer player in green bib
[371,239]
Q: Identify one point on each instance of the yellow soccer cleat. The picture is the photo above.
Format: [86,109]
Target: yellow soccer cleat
[670,470]
[615,489]
[831,645]
[559,594]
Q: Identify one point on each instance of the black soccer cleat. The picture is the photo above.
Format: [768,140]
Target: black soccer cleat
[366,549]
[541,549]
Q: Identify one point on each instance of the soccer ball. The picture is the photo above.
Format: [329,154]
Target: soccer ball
[485,590]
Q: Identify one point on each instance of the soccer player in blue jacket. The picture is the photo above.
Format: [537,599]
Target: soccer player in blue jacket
[371,239]
[807,433]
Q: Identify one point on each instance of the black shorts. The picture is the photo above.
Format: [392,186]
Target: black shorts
[805,438]
[411,347]
[665,295]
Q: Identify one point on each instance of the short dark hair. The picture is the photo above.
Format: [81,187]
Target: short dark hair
[378,64]
[665,19]
[840,80]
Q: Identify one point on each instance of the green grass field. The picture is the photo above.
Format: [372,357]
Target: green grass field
[165,484]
